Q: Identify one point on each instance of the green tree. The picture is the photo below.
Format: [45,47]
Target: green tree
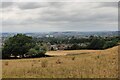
[110,44]
[18,45]
[96,43]
[74,47]
[32,52]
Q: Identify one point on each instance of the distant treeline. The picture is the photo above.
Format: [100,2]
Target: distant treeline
[20,45]
[92,42]
[95,43]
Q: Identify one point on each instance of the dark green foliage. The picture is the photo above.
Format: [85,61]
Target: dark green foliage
[110,44]
[52,49]
[32,52]
[19,44]
[96,43]
[36,53]
[74,47]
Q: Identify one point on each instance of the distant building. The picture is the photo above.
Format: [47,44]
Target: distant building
[62,46]
[49,36]
[54,47]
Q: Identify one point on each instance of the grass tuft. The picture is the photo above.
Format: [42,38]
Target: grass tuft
[73,58]
[44,63]
[6,63]
[58,61]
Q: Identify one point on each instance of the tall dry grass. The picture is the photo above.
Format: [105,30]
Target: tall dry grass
[95,64]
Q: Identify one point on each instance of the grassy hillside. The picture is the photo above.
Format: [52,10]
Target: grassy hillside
[87,64]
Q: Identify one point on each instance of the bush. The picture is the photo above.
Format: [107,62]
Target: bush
[36,53]
[32,52]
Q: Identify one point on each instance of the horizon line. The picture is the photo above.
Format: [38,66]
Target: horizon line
[61,31]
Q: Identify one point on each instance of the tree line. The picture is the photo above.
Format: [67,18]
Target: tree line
[97,43]
[27,46]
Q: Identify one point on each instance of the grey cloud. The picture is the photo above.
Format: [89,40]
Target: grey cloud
[6,4]
[31,5]
[34,5]
[62,16]
[109,4]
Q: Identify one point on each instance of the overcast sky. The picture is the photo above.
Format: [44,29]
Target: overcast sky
[59,16]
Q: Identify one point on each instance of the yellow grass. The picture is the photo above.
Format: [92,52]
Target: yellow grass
[93,64]
[67,52]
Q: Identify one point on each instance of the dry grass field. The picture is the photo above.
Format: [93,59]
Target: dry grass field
[76,64]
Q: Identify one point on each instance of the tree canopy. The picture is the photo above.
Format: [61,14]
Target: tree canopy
[18,45]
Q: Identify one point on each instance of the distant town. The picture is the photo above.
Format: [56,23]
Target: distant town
[54,41]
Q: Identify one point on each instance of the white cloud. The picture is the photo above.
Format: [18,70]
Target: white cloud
[59,16]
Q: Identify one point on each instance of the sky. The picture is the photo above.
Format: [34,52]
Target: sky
[59,16]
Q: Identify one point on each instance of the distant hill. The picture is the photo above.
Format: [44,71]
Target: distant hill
[69,33]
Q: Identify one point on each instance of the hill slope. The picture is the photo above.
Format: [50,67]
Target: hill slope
[93,64]
[75,52]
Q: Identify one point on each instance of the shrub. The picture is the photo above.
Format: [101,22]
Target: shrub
[32,52]
[35,53]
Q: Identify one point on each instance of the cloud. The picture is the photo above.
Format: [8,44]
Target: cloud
[31,5]
[109,4]
[60,16]
[6,4]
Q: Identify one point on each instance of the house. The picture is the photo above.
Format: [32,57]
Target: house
[62,46]
[54,47]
